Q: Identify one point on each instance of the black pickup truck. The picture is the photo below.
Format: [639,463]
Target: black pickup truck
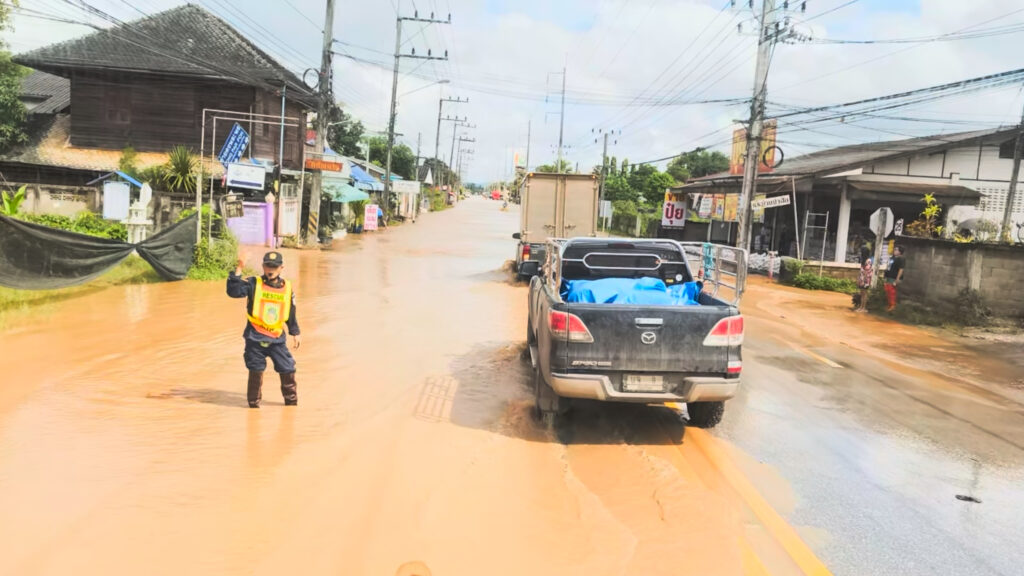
[626,352]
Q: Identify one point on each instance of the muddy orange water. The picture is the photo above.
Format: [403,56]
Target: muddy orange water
[126,446]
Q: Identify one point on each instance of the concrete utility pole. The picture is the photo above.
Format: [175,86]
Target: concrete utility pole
[439,177]
[451,155]
[529,125]
[324,88]
[604,162]
[416,165]
[561,123]
[766,39]
[1011,194]
[437,137]
[394,91]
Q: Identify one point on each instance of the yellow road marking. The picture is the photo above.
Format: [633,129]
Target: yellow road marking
[774,523]
[807,352]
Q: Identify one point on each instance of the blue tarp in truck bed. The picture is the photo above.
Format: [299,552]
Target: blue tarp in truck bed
[643,291]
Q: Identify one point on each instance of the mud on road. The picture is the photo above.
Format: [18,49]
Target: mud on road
[126,446]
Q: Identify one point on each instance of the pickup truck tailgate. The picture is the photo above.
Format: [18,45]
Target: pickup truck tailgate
[630,338]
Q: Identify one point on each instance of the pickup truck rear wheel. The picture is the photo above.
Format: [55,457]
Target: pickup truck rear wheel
[705,414]
[548,404]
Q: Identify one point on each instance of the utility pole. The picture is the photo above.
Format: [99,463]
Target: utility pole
[416,164]
[324,86]
[604,160]
[529,124]
[451,155]
[1011,194]
[437,137]
[561,117]
[561,123]
[439,177]
[766,40]
[394,91]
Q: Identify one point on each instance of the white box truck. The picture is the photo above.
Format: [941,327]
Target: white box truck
[553,206]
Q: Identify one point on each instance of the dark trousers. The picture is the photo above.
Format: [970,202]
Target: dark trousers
[255,355]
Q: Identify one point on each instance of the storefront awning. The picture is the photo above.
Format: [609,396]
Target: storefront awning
[912,192]
[364,181]
[342,192]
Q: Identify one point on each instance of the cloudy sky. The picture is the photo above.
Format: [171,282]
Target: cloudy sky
[635,66]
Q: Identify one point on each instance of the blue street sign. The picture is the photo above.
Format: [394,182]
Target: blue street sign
[234,146]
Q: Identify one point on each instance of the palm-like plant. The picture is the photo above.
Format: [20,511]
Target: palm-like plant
[12,202]
[180,173]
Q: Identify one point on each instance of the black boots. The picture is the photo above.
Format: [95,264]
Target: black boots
[288,389]
[288,385]
[255,391]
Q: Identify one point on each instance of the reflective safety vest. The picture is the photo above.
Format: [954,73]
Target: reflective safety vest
[271,308]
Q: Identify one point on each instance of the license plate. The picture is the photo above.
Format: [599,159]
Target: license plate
[643,383]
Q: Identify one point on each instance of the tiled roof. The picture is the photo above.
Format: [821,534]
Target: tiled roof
[51,93]
[185,41]
[51,147]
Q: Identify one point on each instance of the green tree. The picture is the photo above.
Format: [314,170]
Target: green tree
[12,111]
[617,189]
[403,160]
[650,183]
[344,132]
[129,162]
[553,167]
[697,163]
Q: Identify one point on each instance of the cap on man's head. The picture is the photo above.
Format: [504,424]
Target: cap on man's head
[273,259]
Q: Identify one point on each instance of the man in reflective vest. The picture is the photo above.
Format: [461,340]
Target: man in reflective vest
[271,308]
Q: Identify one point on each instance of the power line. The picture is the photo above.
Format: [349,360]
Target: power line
[840,7]
[318,27]
[984,33]
[895,52]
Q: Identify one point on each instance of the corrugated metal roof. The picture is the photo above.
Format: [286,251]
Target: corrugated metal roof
[844,158]
[53,91]
[185,41]
[959,195]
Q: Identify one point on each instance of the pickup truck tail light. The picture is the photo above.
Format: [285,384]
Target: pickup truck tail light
[526,251]
[568,326]
[728,332]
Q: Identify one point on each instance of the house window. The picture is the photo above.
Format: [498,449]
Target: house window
[118,105]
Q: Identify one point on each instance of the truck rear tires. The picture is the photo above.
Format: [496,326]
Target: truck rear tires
[705,414]
[547,404]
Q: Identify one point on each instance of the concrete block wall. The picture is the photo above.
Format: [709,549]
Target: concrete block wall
[937,271]
[61,200]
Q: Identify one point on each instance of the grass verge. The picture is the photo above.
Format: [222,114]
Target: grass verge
[132,270]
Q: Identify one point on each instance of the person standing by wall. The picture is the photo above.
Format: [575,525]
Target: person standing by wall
[864,278]
[270,307]
[894,275]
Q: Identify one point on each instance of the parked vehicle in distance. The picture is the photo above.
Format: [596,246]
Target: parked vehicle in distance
[676,338]
[553,206]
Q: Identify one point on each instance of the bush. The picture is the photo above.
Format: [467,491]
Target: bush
[85,223]
[214,261]
[815,282]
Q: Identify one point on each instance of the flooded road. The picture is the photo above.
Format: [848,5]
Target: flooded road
[126,446]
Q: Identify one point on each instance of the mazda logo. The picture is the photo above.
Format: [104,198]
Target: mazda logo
[648,337]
